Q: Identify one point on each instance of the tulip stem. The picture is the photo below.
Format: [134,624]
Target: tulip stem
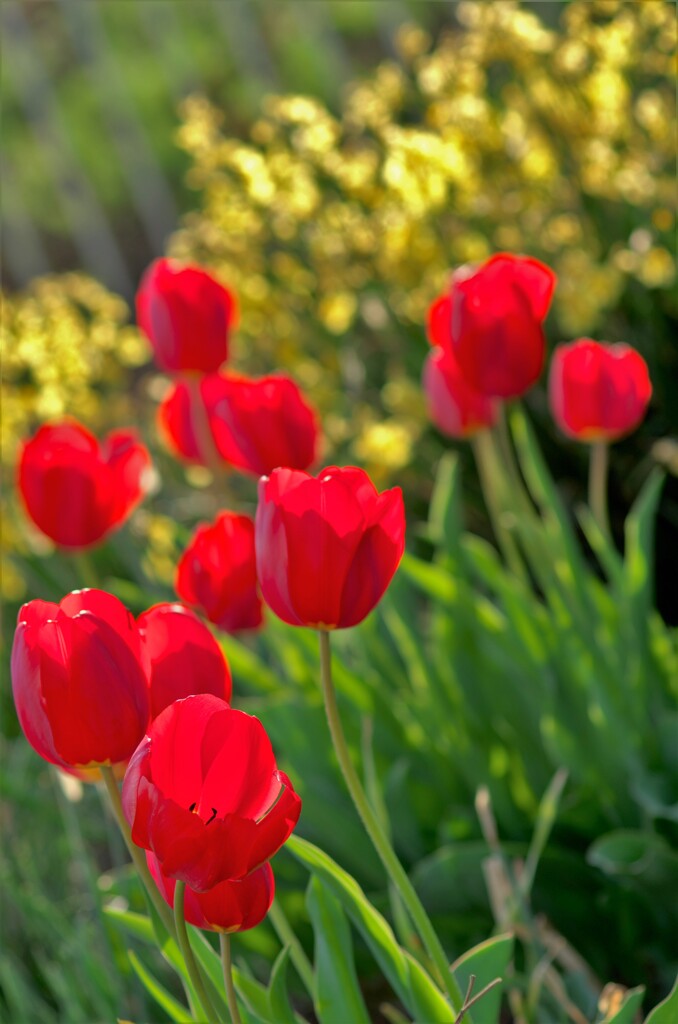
[598,466]
[202,430]
[227,967]
[187,953]
[488,463]
[388,857]
[137,855]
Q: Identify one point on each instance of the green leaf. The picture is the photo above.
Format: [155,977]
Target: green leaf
[176,1011]
[279,1000]
[338,998]
[409,980]
[136,924]
[487,961]
[665,1012]
[444,515]
[626,1014]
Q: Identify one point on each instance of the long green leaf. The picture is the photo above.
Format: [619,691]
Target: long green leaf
[337,998]
[409,980]
[175,1010]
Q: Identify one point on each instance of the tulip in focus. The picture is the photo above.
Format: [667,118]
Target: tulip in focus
[327,546]
[229,906]
[256,424]
[598,392]
[79,680]
[492,321]
[203,793]
[74,489]
[183,656]
[217,573]
[186,315]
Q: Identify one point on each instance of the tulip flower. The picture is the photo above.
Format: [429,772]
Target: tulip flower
[492,321]
[79,680]
[256,424]
[217,573]
[455,407]
[76,490]
[598,392]
[327,546]
[186,315]
[184,657]
[203,793]
[229,906]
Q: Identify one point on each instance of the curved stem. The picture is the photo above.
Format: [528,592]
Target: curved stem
[187,953]
[201,425]
[227,967]
[288,938]
[374,830]
[598,466]
[137,855]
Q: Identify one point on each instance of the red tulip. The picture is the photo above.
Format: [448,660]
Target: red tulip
[598,392]
[229,906]
[257,424]
[492,321]
[75,490]
[203,793]
[184,656]
[79,679]
[186,315]
[217,573]
[327,546]
[455,407]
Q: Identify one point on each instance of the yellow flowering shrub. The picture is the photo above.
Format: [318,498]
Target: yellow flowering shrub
[506,135]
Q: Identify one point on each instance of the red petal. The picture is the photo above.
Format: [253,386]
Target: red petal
[184,656]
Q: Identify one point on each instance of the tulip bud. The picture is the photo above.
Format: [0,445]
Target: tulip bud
[75,490]
[327,546]
[79,680]
[598,392]
[186,315]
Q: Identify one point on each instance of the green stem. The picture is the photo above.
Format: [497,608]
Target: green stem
[85,569]
[288,938]
[598,466]
[374,830]
[492,484]
[201,426]
[227,967]
[137,855]
[187,953]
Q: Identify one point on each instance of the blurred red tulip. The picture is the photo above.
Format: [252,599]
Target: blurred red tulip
[217,573]
[75,490]
[327,546]
[202,791]
[186,315]
[184,656]
[79,679]
[257,424]
[492,321]
[455,407]
[229,906]
[598,392]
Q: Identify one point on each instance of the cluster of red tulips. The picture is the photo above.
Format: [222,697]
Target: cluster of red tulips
[488,345]
[99,694]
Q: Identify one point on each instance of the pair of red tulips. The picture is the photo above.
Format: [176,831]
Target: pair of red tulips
[488,345]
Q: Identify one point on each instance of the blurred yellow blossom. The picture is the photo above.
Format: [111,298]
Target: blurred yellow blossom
[503,134]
